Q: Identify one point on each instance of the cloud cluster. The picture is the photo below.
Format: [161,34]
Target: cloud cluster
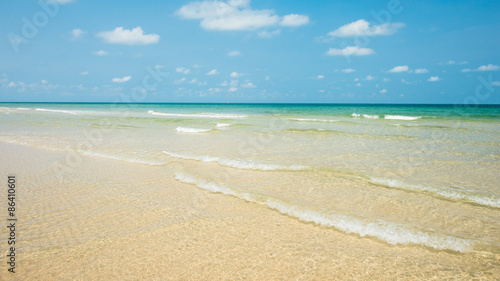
[100,53]
[182,70]
[213,72]
[400,68]
[133,36]
[234,53]
[121,80]
[350,51]
[76,33]
[421,70]
[489,67]
[362,28]
[236,15]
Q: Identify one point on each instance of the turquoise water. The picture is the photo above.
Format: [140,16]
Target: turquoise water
[407,175]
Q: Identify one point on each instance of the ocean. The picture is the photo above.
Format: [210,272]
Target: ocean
[405,175]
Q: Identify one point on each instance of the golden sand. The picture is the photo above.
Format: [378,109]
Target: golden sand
[111,220]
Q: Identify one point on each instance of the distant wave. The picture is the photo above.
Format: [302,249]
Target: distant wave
[237,163]
[312,120]
[199,115]
[220,125]
[367,116]
[73,112]
[332,132]
[389,232]
[401,117]
[191,130]
[388,117]
[445,192]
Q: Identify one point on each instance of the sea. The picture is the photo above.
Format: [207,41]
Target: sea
[406,175]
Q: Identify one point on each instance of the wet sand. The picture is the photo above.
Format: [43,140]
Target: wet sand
[108,219]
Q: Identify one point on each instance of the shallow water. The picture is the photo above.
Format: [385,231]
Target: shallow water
[412,176]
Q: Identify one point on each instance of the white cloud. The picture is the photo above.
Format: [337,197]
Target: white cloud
[358,85]
[386,79]
[294,20]
[84,73]
[450,62]
[77,33]
[356,79]
[44,81]
[101,53]
[232,89]
[421,70]
[362,28]
[249,85]
[495,83]
[11,84]
[159,66]
[369,77]
[213,72]
[234,53]
[400,68]
[231,15]
[434,79]
[183,70]
[348,70]
[180,80]
[320,77]
[121,80]
[134,36]
[235,15]
[350,51]
[268,34]
[383,91]
[235,74]
[489,67]
[464,62]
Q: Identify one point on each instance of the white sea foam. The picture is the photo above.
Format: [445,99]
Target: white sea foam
[57,111]
[401,117]
[191,130]
[312,120]
[237,163]
[199,115]
[367,116]
[223,125]
[446,192]
[389,232]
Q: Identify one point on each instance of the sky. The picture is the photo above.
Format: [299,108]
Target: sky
[242,51]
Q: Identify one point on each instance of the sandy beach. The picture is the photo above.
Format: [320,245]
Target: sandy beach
[112,220]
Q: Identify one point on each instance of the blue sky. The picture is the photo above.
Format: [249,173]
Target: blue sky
[250,51]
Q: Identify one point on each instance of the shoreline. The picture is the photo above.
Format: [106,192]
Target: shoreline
[112,219]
